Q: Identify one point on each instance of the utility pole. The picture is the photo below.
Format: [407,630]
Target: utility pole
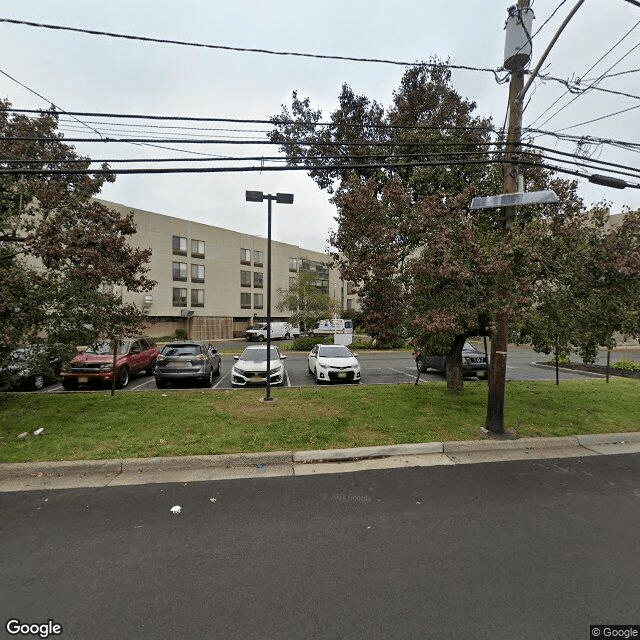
[499,337]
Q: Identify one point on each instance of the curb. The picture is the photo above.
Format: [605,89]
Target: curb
[565,370]
[114,468]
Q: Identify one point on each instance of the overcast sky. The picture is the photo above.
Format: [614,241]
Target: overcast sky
[80,72]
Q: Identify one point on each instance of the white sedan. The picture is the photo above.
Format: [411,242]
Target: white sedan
[251,367]
[333,363]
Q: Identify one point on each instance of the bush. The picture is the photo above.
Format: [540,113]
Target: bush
[306,344]
[181,334]
[626,365]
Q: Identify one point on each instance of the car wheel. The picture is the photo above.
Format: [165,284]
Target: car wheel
[287,336]
[123,377]
[260,338]
[208,381]
[161,384]
[70,384]
[37,383]
[217,372]
[421,365]
[152,367]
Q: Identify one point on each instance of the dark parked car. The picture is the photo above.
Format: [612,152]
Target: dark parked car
[30,369]
[474,362]
[187,360]
[95,365]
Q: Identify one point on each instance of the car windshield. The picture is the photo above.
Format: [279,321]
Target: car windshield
[259,355]
[181,350]
[334,352]
[104,348]
[259,326]
[468,347]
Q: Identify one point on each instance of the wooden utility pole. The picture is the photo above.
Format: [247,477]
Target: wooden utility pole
[499,336]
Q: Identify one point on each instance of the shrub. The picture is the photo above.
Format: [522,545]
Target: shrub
[306,344]
[181,334]
[626,365]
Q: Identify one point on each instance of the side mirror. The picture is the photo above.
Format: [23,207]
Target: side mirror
[283,357]
[236,357]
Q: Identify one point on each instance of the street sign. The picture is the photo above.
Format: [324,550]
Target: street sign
[512,199]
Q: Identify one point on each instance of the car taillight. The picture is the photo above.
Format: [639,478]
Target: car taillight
[160,358]
[201,356]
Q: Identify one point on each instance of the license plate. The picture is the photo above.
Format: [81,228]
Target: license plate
[342,375]
[180,365]
[83,380]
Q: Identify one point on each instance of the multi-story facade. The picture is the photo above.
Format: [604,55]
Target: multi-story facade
[213,282]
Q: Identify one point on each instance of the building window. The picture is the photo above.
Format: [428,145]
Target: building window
[179,246]
[197,273]
[349,303]
[245,301]
[197,248]
[257,300]
[197,297]
[257,259]
[293,264]
[245,278]
[179,271]
[257,279]
[179,297]
[293,281]
[350,288]
[245,256]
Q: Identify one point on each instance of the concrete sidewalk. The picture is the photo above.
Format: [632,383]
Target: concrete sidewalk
[33,476]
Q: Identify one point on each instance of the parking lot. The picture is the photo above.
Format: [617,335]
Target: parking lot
[378,367]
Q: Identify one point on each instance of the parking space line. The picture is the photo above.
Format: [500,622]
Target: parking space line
[217,384]
[142,384]
[407,374]
[288,378]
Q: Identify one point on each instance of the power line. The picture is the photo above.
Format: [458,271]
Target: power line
[265,168]
[609,115]
[496,72]
[201,45]
[592,86]
[630,171]
[272,121]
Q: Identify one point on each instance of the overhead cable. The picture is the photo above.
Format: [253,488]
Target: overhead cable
[497,73]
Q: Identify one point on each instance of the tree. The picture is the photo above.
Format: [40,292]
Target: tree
[382,211]
[306,302]
[64,256]
[591,288]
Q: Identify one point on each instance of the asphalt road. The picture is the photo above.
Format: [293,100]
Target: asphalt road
[533,550]
[378,367]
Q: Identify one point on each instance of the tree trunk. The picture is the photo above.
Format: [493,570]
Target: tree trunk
[454,364]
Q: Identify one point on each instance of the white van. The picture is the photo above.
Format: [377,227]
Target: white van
[279,330]
[332,326]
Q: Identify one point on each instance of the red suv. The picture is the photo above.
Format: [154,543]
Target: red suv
[96,363]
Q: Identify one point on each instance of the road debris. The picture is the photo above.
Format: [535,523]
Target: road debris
[176,509]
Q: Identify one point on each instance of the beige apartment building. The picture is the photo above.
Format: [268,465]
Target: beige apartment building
[213,282]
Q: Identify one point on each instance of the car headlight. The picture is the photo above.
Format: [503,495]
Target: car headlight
[106,367]
[237,371]
[465,360]
[322,365]
[23,373]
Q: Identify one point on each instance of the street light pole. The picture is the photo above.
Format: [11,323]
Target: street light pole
[280,198]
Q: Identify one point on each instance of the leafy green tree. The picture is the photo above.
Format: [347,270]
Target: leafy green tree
[305,301]
[64,257]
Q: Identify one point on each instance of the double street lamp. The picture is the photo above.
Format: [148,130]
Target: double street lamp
[280,198]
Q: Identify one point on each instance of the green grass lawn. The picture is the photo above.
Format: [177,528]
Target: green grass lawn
[144,424]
